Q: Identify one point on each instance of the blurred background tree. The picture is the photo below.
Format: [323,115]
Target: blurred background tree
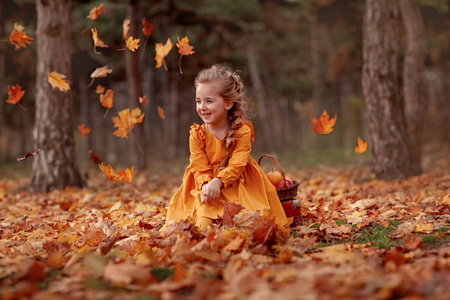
[297,58]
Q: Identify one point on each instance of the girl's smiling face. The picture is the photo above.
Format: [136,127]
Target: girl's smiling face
[211,106]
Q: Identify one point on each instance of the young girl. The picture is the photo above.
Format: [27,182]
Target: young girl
[221,167]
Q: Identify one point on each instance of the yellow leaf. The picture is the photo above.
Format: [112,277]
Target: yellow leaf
[423,228]
[362,146]
[126,28]
[446,199]
[126,121]
[162,51]
[97,41]
[132,44]
[95,12]
[58,80]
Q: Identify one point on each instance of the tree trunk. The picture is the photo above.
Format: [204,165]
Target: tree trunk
[390,144]
[137,158]
[261,102]
[413,66]
[55,167]
[3,154]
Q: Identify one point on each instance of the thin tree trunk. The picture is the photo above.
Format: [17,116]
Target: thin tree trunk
[390,144]
[3,156]
[137,158]
[260,95]
[315,64]
[55,167]
[413,66]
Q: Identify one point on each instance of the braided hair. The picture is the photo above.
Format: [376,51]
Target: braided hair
[231,88]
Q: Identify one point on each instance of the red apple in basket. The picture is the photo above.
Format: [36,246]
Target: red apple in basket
[280,184]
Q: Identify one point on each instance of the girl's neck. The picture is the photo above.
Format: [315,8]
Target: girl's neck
[218,130]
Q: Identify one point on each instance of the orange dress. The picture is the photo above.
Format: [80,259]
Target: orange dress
[244,182]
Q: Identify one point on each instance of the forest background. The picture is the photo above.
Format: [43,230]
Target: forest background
[297,59]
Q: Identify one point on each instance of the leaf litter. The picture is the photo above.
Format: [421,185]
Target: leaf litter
[357,238]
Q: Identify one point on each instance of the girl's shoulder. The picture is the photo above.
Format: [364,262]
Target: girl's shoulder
[246,128]
[197,131]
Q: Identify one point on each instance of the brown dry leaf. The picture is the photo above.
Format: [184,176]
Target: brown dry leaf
[97,41]
[143,100]
[58,80]
[230,209]
[424,228]
[95,12]
[147,28]
[446,199]
[99,89]
[15,93]
[323,125]
[107,98]
[161,52]
[126,121]
[161,113]
[83,130]
[100,72]
[132,44]
[126,273]
[56,260]
[126,28]
[19,38]
[95,158]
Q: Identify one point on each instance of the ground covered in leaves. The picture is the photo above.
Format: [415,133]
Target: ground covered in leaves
[358,238]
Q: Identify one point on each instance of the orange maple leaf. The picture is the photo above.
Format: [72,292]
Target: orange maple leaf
[97,41]
[18,37]
[59,81]
[100,89]
[95,12]
[161,52]
[106,99]
[161,113]
[126,121]
[126,175]
[143,100]
[15,93]
[126,28]
[184,49]
[132,44]
[323,125]
[362,146]
[147,28]
[83,130]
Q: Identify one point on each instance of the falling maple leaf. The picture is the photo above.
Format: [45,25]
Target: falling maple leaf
[15,93]
[94,157]
[143,100]
[58,80]
[126,121]
[99,72]
[126,28]
[83,130]
[323,125]
[362,146]
[18,37]
[184,49]
[147,28]
[161,113]
[22,157]
[100,89]
[97,41]
[126,175]
[161,52]
[107,100]
[132,44]
[95,12]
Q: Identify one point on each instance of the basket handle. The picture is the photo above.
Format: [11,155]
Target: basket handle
[273,158]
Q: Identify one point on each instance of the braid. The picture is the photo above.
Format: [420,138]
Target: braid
[231,88]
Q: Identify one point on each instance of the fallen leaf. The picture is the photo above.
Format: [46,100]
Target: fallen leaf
[19,38]
[95,12]
[161,113]
[230,209]
[362,146]
[126,121]
[22,157]
[161,52]
[97,41]
[323,125]
[147,28]
[83,130]
[15,93]
[446,199]
[100,89]
[58,80]
[143,100]
[106,99]
[126,28]
[424,228]
[132,44]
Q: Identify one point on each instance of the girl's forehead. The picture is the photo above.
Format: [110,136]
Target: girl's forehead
[208,87]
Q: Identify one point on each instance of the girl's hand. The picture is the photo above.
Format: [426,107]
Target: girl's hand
[211,190]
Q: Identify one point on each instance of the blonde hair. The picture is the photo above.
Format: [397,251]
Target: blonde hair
[231,88]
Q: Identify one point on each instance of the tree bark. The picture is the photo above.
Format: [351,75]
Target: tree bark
[55,167]
[413,66]
[390,144]
[134,80]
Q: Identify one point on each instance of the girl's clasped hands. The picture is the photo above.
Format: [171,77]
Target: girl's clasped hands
[211,190]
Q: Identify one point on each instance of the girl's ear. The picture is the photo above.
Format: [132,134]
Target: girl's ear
[228,105]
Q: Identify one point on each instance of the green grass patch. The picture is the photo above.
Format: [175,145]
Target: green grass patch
[379,236]
[162,273]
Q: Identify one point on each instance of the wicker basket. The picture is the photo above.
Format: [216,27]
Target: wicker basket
[286,192]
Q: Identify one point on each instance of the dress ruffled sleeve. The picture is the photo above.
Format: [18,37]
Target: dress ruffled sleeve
[199,163]
[239,156]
